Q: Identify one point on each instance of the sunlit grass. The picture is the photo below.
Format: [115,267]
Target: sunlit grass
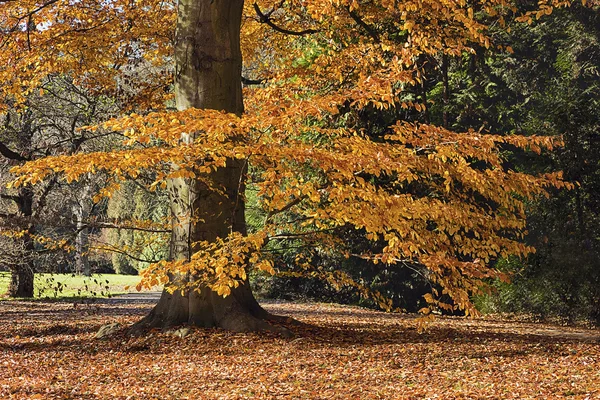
[56,286]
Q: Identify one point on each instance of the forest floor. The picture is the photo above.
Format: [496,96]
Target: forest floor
[48,351]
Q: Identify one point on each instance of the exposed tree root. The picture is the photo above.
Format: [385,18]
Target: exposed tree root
[238,312]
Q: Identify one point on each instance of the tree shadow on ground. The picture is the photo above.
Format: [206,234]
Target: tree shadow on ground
[58,329]
[64,330]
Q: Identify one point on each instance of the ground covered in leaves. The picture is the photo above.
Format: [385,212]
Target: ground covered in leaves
[48,351]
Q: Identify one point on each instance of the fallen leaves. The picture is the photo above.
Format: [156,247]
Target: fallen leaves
[48,350]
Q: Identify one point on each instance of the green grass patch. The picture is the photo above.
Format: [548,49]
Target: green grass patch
[58,286]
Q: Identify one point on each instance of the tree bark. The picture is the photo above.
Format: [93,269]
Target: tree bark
[208,75]
[21,271]
[21,281]
[446,91]
[81,212]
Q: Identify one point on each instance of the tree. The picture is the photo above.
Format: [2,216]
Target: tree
[132,249]
[421,194]
[19,259]
[564,273]
[45,123]
[40,122]
[208,76]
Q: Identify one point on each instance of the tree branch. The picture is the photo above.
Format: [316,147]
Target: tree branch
[9,197]
[267,20]
[369,29]
[247,81]
[40,8]
[291,204]
[294,236]
[106,225]
[115,250]
[41,202]
[11,155]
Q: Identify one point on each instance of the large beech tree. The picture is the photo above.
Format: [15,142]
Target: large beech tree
[208,75]
[420,193]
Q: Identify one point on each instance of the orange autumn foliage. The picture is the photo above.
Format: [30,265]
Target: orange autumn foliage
[319,63]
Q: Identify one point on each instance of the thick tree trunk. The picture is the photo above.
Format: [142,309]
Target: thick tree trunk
[21,279]
[208,75]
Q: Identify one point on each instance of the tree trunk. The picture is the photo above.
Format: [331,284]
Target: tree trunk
[446,91]
[208,76]
[21,281]
[82,262]
[21,271]
[81,211]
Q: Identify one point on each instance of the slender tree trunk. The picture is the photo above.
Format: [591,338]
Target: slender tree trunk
[21,279]
[208,75]
[82,262]
[446,91]
[81,211]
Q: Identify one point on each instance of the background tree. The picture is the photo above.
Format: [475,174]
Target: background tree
[60,101]
[45,124]
[131,247]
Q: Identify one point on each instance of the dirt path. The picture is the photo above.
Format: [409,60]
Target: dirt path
[132,298]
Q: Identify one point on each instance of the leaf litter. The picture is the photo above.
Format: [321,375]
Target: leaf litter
[48,351]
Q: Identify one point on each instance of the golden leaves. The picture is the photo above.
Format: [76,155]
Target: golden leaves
[421,193]
[95,43]
[220,265]
[434,209]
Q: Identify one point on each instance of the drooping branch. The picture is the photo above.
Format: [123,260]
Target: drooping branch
[106,225]
[247,81]
[113,249]
[297,235]
[266,18]
[11,155]
[39,8]
[93,224]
